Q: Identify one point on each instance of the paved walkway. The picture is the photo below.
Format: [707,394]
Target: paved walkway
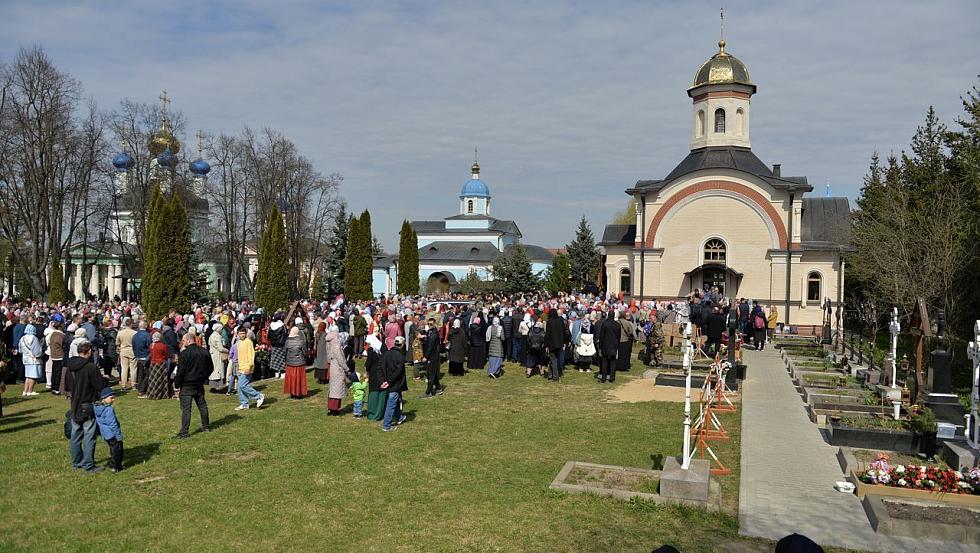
[788,471]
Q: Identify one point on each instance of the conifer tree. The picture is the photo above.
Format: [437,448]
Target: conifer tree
[512,269]
[362,260]
[583,256]
[58,289]
[153,281]
[178,265]
[334,262]
[408,261]
[558,275]
[272,287]
[350,261]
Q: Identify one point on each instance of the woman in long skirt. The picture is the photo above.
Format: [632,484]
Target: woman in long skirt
[156,382]
[457,349]
[338,372]
[295,383]
[320,360]
[277,352]
[477,357]
[377,398]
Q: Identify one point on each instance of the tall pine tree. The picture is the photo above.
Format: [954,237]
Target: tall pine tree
[512,271]
[178,269]
[360,252]
[272,287]
[557,278]
[350,262]
[583,256]
[58,289]
[408,261]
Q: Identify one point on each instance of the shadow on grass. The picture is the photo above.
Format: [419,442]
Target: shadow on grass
[141,454]
[16,418]
[314,392]
[658,461]
[21,413]
[224,421]
[27,426]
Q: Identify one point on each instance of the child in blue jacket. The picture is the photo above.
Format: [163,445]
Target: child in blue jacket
[105,416]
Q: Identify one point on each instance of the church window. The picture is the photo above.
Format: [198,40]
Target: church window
[624,281]
[715,252]
[700,123]
[469,206]
[740,121]
[719,120]
[813,287]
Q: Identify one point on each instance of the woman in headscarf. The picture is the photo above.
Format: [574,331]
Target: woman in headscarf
[377,398]
[477,357]
[156,382]
[31,352]
[295,383]
[320,360]
[277,343]
[219,353]
[495,347]
[338,372]
[457,348]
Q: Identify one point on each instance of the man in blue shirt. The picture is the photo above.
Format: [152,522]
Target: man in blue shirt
[141,351]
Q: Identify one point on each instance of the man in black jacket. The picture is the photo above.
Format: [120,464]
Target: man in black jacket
[507,322]
[607,344]
[193,367]
[554,341]
[430,356]
[86,383]
[714,327]
[393,365]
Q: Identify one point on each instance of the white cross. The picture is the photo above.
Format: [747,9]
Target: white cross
[973,352]
[894,328]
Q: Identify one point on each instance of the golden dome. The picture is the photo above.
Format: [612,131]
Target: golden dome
[722,68]
[162,140]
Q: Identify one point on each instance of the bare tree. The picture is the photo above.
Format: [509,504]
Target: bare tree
[49,161]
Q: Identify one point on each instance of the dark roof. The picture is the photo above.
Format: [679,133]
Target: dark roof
[824,222]
[536,253]
[446,250]
[618,235]
[435,227]
[384,260]
[726,157]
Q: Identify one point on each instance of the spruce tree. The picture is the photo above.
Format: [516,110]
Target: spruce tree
[58,289]
[583,256]
[350,261]
[334,263]
[512,269]
[359,286]
[272,289]
[413,278]
[153,281]
[558,275]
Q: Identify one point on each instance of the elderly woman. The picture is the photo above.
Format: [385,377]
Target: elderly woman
[30,351]
[295,383]
[477,357]
[156,382]
[219,355]
[457,348]
[495,342]
[320,360]
[377,398]
[338,372]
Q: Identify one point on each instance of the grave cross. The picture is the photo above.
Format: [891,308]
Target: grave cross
[894,328]
[973,352]
[688,354]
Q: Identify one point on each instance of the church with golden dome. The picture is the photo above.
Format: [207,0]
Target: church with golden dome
[721,218]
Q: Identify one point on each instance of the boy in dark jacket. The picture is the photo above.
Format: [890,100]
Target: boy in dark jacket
[86,382]
[105,416]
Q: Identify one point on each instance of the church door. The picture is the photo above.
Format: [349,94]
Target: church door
[714,277]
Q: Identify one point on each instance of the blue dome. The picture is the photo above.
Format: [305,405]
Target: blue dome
[475,188]
[200,168]
[123,161]
[167,159]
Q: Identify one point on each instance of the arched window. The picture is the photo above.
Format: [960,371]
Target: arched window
[719,120]
[740,121]
[469,206]
[813,287]
[625,284]
[700,123]
[715,251]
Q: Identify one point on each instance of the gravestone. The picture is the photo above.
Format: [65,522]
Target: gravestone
[974,354]
[941,399]
[691,483]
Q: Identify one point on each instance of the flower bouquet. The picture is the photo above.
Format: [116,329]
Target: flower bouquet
[921,477]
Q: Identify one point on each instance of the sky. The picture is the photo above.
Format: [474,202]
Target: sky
[569,103]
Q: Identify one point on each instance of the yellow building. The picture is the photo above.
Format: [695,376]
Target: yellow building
[722,218]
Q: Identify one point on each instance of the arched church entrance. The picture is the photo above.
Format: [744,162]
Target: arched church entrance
[714,275]
[441,282]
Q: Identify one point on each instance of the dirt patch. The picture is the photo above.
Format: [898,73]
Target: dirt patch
[644,389]
[865,456]
[232,456]
[933,513]
[612,479]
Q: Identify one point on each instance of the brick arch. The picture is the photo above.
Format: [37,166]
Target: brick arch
[729,186]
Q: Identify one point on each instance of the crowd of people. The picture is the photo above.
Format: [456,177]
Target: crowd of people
[84,349]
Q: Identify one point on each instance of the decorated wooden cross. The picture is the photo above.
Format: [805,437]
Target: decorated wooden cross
[894,328]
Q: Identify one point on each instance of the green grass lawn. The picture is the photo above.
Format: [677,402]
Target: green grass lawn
[469,471]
